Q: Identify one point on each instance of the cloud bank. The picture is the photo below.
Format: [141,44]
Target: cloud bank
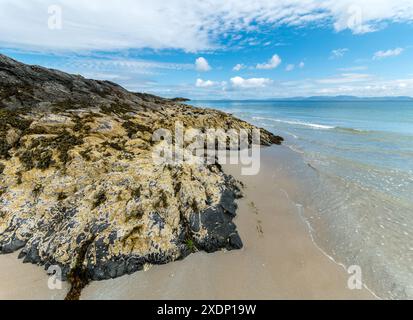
[188,25]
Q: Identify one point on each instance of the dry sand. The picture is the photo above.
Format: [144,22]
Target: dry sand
[20,281]
[278,261]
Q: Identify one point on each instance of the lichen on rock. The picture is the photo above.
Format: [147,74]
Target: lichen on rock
[78,184]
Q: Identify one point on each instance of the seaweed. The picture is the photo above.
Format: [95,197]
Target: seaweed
[69,104]
[113,145]
[135,213]
[86,154]
[136,193]
[10,119]
[37,190]
[61,196]
[194,206]
[45,160]
[4,149]
[19,177]
[132,128]
[81,123]
[162,201]
[26,158]
[190,244]
[78,276]
[38,158]
[118,108]
[100,198]
[64,143]
[40,155]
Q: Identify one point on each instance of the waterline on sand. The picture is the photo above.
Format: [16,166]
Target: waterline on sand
[354,165]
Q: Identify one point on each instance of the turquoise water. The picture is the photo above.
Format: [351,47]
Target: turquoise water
[362,196]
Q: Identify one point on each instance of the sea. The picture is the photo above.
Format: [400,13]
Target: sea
[354,167]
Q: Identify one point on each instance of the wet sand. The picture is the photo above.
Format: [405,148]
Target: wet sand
[279,259]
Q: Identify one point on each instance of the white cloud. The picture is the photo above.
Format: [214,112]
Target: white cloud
[180,24]
[338,53]
[201,64]
[273,63]
[239,82]
[372,88]
[301,65]
[366,85]
[239,67]
[388,53]
[345,78]
[126,71]
[137,75]
[289,67]
[120,64]
[205,83]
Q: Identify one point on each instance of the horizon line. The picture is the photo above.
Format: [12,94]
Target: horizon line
[314,98]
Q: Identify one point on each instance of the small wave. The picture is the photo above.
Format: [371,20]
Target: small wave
[317,126]
[301,123]
[291,134]
[295,149]
[352,130]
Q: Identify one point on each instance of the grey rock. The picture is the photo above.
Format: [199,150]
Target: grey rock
[14,245]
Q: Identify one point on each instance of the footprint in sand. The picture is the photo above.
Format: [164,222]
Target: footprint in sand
[259,228]
[259,222]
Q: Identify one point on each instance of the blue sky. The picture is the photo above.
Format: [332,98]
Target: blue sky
[220,49]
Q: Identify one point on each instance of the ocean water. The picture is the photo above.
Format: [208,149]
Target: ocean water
[357,182]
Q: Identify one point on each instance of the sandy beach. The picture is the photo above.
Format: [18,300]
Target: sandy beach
[279,259]
[110,119]
[26,281]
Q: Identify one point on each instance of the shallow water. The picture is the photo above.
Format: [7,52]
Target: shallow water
[357,180]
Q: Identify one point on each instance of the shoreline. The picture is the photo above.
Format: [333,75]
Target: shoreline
[310,229]
[279,260]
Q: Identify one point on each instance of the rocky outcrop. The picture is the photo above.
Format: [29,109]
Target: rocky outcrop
[79,187]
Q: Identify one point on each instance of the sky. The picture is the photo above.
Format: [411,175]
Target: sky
[215,49]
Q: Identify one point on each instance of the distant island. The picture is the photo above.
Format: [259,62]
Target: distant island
[348,98]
